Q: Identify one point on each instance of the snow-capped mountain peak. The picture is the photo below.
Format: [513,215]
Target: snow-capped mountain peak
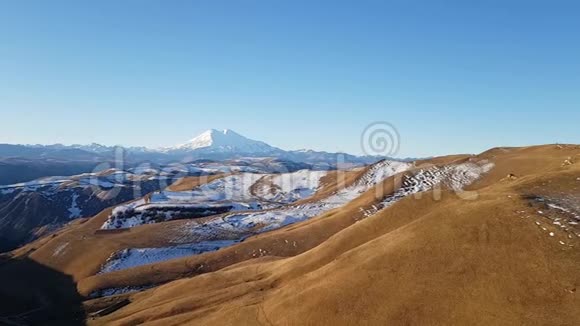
[212,144]
[225,140]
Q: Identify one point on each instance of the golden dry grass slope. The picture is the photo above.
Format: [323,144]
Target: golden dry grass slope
[505,253]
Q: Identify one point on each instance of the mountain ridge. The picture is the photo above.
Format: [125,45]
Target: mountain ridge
[211,144]
[19,163]
[403,233]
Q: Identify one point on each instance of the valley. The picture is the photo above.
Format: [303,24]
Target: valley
[391,163]
[497,230]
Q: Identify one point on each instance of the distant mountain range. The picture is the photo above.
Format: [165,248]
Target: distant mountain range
[211,144]
[26,162]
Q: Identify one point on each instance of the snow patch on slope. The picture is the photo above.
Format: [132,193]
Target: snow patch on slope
[456,177]
[230,193]
[60,249]
[242,225]
[289,187]
[134,257]
[74,209]
[274,219]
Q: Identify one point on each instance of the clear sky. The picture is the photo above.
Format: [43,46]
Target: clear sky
[452,76]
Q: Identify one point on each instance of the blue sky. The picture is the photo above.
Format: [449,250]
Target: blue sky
[452,76]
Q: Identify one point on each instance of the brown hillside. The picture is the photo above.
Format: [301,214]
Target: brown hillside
[420,262]
[188,183]
[491,260]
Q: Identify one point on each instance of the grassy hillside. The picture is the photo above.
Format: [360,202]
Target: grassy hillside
[503,253]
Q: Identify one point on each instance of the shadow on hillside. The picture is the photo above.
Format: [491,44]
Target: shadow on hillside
[33,294]
[7,245]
